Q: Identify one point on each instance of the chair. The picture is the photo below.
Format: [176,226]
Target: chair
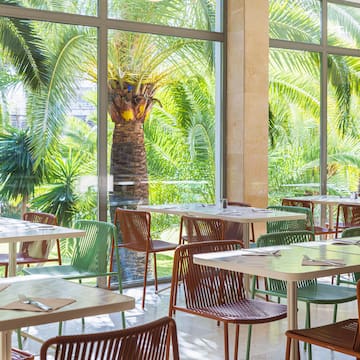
[308,291]
[135,233]
[216,293]
[318,230]
[291,225]
[150,341]
[343,336]
[234,230]
[90,257]
[354,277]
[195,229]
[34,252]
[350,216]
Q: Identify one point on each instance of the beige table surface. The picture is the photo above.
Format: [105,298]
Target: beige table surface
[286,267]
[13,231]
[241,214]
[89,301]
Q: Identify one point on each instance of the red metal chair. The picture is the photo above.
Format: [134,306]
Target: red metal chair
[347,216]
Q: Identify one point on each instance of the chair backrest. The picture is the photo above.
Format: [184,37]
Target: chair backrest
[285,238]
[204,286]
[150,341]
[349,215]
[134,227]
[302,203]
[37,249]
[350,232]
[195,229]
[356,345]
[91,252]
[291,225]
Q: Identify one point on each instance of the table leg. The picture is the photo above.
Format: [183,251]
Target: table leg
[12,258]
[5,345]
[246,241]
[292,314]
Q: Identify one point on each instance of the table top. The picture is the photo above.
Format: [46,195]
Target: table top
[240,214]
[89,301]
[17,230]
[327,199]
[288,266]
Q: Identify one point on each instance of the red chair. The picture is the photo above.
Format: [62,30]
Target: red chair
[347,216]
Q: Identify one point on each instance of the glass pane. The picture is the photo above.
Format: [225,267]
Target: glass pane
[343,125]
[294,149]
[295,20]
[191,14]
[48,120]
[343,26]
[83,7]
[162,114]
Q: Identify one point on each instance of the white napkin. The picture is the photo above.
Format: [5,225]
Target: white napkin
[345,242]
[261,252]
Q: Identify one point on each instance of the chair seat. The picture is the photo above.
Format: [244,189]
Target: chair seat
[247,311]
[64,271]
[320,230]
[21,259]
[345,334]
[160,245]
[322,294]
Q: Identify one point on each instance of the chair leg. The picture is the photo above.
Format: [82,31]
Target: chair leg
[18,333]
[288,348]
[335,313]
[226,341]
[145,278]
[248,342]
[155,273]
[236,349]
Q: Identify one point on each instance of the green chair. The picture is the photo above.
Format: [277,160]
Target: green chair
[291,225]
[90,257]
[308,291]
[354,277]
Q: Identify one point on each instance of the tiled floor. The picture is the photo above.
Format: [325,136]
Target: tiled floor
[200,338]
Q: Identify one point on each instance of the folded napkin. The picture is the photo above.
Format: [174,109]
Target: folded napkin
[345,242]
[321,262]
[55,303]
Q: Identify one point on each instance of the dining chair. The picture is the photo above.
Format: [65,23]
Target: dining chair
[135,235]
[347,216]
[156,340]
[195,229]
[291,225]
[90,256]
[217,294]
[17,354]
[308,291]
[34,252]
[318,230]
[342,336]
[354,277]
[234,230]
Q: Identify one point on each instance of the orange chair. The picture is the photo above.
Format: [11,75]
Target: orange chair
[234,230]
[150,341]
[347,216]
[34,252]
[134,227]
[342,336]
[195,229]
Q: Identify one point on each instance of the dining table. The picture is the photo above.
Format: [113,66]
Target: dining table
[330,201]
[286,263]
[241,214]
[13,231]
[80,301]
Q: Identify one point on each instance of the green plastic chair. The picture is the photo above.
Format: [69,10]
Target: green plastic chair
[90,258]
[291,225]
[354,277]
[308,291]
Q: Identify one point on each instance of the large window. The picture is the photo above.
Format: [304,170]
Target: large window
[110,105]
[314,98]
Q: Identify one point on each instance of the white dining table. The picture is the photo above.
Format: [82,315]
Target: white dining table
[241,214]
[13,231]
[330,201]
[288,266]
[89,301]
